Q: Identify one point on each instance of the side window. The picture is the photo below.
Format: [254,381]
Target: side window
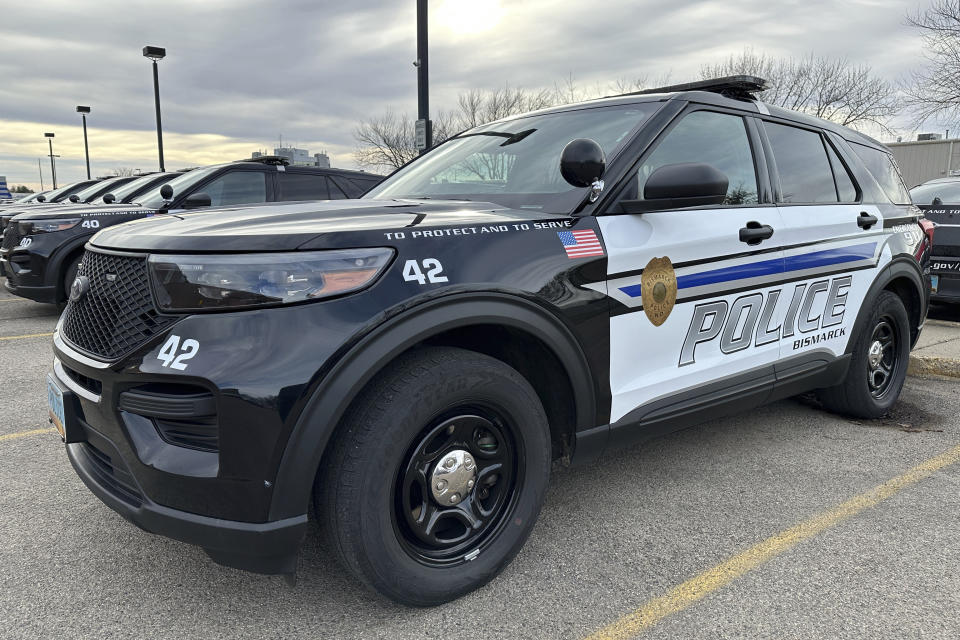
[336,193]
[845,187]
[717,139]
[237,187]
[302,186]
[885,170]
[349,187]
[801,159]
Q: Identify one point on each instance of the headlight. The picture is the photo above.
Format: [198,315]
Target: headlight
[217,282]
[33,227]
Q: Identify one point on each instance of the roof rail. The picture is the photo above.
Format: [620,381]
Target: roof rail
[742,86]
[278,160]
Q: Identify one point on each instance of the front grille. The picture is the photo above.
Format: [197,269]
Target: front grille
[117,313]
[88,383]
[112,474]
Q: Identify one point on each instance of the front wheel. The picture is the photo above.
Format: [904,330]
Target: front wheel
[878,365]
[438,475]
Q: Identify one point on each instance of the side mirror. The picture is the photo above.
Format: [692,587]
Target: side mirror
[109,198]
[41,198]
[582,164]
[74,198]
[166,192]
[196,200]
[676,186]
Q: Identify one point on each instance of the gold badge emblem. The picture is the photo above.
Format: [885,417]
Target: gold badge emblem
[658,287]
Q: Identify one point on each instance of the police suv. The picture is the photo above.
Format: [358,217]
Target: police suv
[939,199]
[551,285]
[42,249]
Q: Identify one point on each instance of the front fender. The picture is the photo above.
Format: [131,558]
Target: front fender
[340,386]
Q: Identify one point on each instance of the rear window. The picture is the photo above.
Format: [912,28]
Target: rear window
[801,159]
[886,172]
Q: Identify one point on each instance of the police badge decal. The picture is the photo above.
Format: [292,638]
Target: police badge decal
[658,290]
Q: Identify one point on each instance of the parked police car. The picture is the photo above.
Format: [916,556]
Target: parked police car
[940,201]
[48,197]
[549,285]
[41,251]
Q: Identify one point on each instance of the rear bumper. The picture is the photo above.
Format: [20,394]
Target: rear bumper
[269,547]
[945,273]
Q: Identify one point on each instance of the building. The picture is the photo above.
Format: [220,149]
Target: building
[925,158]
[4,191]
[299,157]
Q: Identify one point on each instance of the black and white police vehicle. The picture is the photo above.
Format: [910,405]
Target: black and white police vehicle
[939,200]
[551,285]
[41,251]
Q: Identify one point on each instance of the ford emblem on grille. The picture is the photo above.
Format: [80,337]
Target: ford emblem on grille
[79,288]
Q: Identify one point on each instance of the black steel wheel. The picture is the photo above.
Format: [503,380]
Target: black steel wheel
[878,362]
[436,476]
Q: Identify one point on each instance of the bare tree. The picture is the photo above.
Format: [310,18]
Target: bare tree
[832,89]
[935,90]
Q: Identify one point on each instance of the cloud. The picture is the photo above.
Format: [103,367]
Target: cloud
[240,73]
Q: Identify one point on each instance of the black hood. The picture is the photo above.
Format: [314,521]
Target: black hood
[285,227]
[73,211]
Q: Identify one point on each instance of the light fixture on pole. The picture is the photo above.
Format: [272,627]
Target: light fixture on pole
[53,166]
[154,54]
[83,111]
[424,127]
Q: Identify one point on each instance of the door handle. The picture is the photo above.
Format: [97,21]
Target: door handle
[865,220]
[755,233]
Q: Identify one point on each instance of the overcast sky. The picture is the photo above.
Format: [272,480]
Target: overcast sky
[239,74]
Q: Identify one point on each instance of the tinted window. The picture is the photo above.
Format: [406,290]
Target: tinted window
[237,187]
[845,187]
[349,187]
[718,139]
[302,186]
[885,170]
[336,191]
[948,192]
[801,159]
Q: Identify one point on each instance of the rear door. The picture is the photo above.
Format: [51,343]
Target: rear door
[691,321]
[832,242]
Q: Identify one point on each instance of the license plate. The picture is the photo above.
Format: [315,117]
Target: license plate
[934,283]
[55,404]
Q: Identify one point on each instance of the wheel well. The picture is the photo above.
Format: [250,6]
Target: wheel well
[907,291]
[73,255]
[534,361]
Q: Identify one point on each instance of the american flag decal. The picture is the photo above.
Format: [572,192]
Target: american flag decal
[580,244]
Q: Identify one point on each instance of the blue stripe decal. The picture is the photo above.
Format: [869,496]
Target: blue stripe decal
[769,267]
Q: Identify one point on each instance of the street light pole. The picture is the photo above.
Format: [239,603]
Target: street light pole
[40,169]
[423,80]
[83,111]
[154,54]
[53,166]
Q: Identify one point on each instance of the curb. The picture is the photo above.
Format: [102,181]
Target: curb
[933,366]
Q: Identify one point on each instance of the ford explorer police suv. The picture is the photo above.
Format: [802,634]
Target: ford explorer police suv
[41,250]
[551,285]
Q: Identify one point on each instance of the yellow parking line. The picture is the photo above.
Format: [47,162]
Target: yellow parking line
[24,434]
[28,335]
[686,594]
[13,299]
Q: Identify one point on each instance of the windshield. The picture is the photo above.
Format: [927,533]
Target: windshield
[132,187]
[51,196]
[948,192]
[154,200]
[515,163]
[88,192]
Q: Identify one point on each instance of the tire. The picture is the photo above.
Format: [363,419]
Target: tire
[421,411]
[860,395]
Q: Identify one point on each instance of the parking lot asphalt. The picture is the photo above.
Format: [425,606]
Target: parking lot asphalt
[655,529]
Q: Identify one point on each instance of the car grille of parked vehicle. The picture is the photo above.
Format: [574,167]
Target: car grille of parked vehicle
[115,313]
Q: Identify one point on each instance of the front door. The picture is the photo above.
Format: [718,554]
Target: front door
[692,319]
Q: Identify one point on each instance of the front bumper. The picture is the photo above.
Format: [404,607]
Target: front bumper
[262,547]
[44,294]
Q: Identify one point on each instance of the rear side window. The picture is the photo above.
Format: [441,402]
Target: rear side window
[349,187]
[336,192]
[801,159]
[302,186]
[717,139]
[885,170]
[237,187]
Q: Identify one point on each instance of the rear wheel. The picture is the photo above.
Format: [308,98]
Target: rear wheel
[878,365]
[438,476]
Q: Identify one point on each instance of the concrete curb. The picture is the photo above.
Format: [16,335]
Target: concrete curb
[933,366]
